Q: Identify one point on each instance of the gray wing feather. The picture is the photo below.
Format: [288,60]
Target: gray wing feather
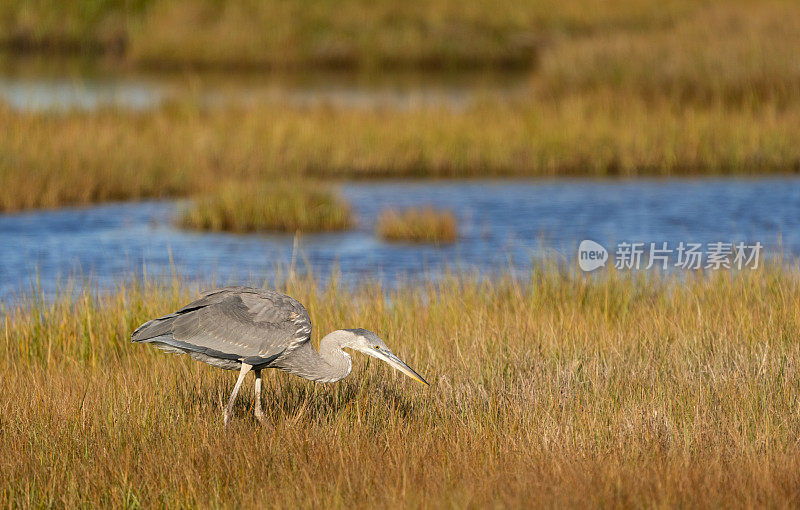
[237,323]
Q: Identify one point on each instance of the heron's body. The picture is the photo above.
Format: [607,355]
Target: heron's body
[241,328]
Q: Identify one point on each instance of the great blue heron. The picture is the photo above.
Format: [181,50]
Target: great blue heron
[252,329]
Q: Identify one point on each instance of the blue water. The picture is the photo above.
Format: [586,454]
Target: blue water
[499,222]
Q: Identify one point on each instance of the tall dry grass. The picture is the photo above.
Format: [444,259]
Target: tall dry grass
[732,53]
[244,33]
[630,89]
[559,390]
[51,159]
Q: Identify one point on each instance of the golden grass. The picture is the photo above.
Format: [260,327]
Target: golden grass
[733,53]
[424,225]
[582,41]
[244,33]
[282,206]
[630,89]
[49,159]
[560,390]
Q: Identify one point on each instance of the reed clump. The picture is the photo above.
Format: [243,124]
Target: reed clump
[422,225]
[278,206]
[555,388]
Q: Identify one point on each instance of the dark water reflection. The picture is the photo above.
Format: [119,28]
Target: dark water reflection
[63,84]
[500,221]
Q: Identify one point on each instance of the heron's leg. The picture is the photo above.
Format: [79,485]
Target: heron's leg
[258,411]
[229,408]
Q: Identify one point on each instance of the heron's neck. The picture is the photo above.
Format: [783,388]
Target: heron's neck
[330,350]
[330,364]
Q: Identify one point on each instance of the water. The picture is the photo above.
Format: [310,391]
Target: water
[51,84]
[499,222]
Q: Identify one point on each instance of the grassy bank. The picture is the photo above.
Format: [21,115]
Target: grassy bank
[276,206]
[672,46]
[578,35]
[631,89]
[349,33]
[558,390]
[733,53]
[49,159]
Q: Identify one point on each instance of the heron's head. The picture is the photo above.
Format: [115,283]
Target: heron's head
[370,344]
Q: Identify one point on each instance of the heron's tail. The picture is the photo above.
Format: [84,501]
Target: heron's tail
[153,329]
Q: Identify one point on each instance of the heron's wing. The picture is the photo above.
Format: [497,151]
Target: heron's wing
[237,323]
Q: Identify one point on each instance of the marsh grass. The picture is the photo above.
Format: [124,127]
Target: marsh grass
[420,225]
[734,53]
[52,159]
[278,206]
[558,390]
[634,88]
[350,33]
[683,46]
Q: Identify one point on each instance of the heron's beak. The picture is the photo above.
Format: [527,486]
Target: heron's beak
[398,364]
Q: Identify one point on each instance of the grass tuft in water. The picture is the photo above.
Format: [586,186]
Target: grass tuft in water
[283,206]
[426,225]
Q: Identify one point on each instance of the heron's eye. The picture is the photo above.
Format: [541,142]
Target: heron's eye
[377,347]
